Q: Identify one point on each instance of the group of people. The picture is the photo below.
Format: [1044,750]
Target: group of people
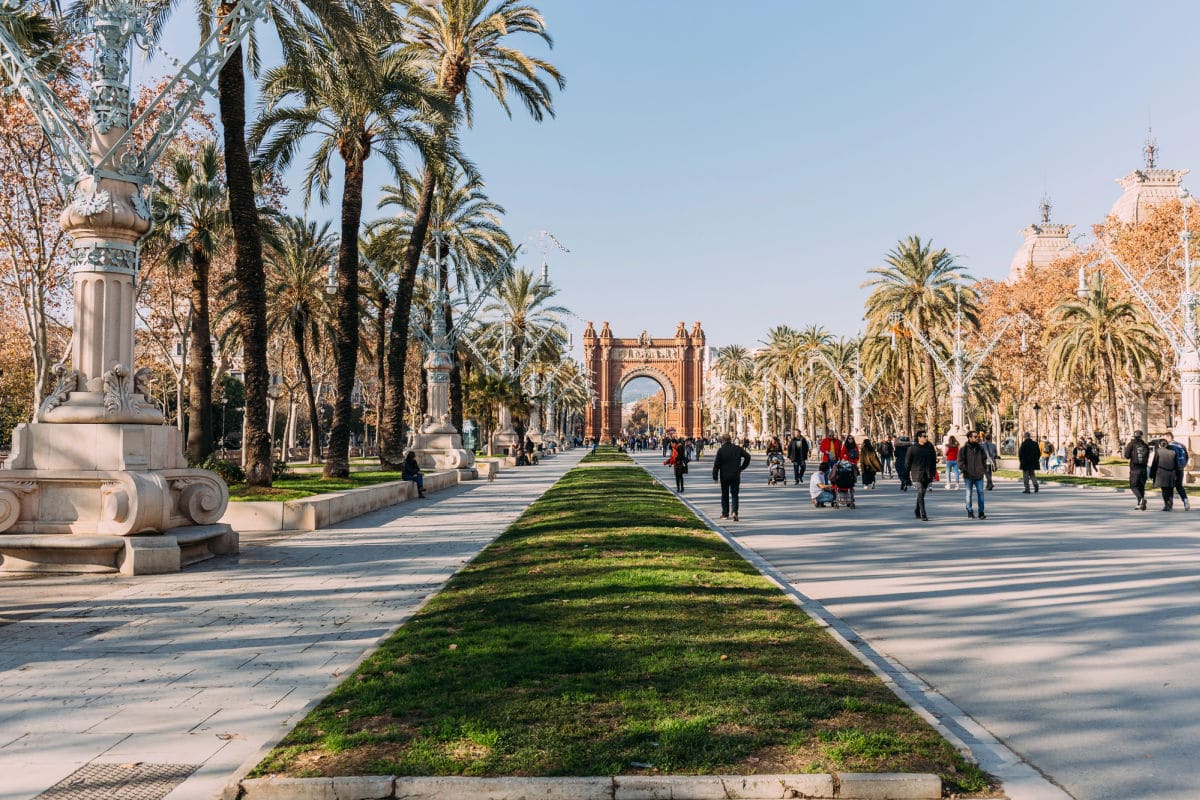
[918,463]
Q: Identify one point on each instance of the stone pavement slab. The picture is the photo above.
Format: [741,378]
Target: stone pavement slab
[1066,625]
[208,666]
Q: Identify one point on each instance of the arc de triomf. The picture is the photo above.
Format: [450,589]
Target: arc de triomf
[677,364]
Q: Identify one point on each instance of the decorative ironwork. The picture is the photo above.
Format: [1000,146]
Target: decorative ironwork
[112,257]
[90,205]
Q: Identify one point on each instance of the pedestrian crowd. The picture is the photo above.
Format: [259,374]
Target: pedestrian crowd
[842,464]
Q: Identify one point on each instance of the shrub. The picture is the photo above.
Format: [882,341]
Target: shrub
[230,473]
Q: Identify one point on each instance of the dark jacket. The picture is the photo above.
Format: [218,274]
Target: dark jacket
[410,469]
[1162,466]
[798,449]
[902,455]
[1030,455]
[972,461]
[729,462]
[1138,452]
[921,460]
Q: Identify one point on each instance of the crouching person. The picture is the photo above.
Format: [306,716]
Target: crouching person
[412,472]
[819,487]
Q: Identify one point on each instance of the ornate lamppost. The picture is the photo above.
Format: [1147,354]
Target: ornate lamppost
[97,461]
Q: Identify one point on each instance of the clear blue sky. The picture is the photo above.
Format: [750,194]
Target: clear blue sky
[744,164]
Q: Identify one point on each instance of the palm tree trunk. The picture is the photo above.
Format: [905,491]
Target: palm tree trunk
[1110,393]
[314,421]
[199,438]
[381,369]
[930,398]
[248,267]
[908,398]
[345,328]
[391,449]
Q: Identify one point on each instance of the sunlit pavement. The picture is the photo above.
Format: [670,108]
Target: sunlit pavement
[1066,624]
[198,671]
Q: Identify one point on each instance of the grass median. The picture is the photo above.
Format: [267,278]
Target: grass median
[300,486]
[609,632]
[606,453]
[1073,480]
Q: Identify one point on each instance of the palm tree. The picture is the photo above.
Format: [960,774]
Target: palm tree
[923,284]
[195,224]
[474,244]
[1100,335]
[339,18]
[455,40]
[298,258]
[355,111]
[523,301]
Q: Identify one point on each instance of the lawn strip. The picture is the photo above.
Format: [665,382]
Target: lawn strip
[608,454]
[609,632]
[1074,480]
[300,486]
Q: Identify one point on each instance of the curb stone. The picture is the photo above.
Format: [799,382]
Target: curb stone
[842,786]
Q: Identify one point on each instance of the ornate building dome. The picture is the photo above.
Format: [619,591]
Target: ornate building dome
[1044,242]
[1146,188]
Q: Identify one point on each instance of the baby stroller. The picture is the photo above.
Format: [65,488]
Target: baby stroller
[843,479]
[775,471]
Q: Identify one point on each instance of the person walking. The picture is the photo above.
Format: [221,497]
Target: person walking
[1047,450]
[728,464]
[886,450]
[903,445]
[1162,471]
[1030,456]
[797,453]
[869,464]
[953,477]
[921,461]
[1138,453]
[993,455]
[679,462]
[831,449]
[1079,461]
[972,462]
[1181,461]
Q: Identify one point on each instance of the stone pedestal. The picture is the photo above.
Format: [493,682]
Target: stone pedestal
[70,495]
[505,435]
[442,450]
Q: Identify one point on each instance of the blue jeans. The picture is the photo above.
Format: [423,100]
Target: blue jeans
[975,484]
[824,497]
[419,479]
[952,473]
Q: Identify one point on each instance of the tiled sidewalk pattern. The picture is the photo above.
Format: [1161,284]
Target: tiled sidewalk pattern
[208,665]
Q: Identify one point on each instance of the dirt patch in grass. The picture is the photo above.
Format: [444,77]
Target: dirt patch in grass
[607,629]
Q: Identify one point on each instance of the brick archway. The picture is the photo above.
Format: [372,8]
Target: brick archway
[677,363]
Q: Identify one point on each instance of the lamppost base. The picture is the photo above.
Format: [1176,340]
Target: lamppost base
[443,451]
[70,494]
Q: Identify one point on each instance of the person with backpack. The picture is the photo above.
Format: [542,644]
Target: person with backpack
[1138,453]
[797,453]
[1029,455]
[1162,471]
[1046,450]
[679,461]
[1181,461]
[989,447]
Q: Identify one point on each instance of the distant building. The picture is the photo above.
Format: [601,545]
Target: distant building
[1147,187]
[1045,242]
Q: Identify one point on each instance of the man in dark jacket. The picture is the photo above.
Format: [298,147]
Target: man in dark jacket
[797,453]
[728,464]
[972,463]
[921,462]
[1138,453]
[1162,471]
[1030,455]
[903,443]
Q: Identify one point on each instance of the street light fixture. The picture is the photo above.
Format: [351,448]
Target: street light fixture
[1037,423]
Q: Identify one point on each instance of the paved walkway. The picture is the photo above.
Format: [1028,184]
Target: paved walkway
[1066,624]
[208,666]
